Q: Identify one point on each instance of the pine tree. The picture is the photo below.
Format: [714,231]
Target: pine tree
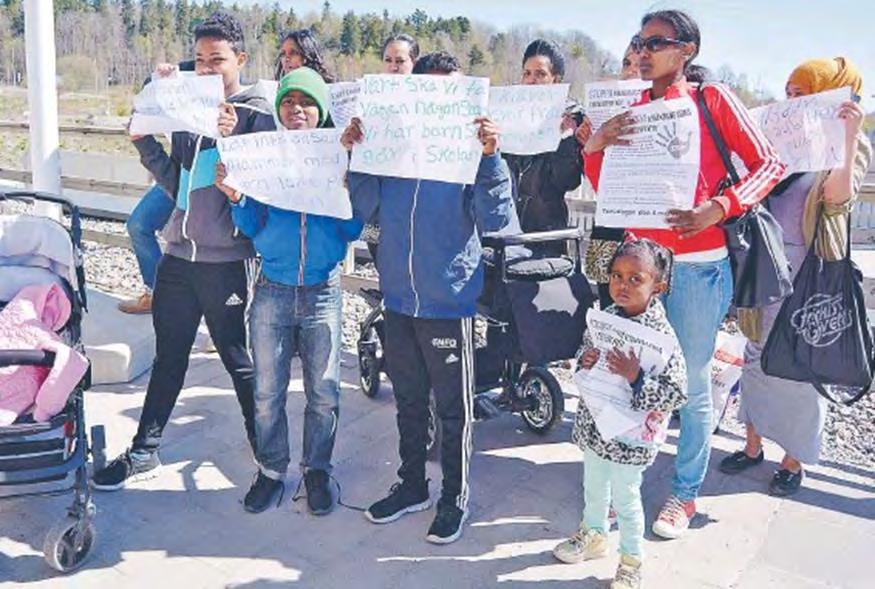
[182,20]
[129,20]
[291,22]
[350,36]
[476,57]
[147,24]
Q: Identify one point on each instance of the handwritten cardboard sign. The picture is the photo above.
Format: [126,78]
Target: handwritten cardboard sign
[421,126]
[528,116]
[179,103]
[295,170]
[806,130]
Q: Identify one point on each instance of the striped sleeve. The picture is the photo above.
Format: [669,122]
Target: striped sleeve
[744,138]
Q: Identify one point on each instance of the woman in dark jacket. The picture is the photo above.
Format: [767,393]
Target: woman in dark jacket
[541,181]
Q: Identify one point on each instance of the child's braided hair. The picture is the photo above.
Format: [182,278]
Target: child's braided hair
[658,256]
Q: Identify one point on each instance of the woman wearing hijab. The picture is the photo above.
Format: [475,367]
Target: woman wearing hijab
[791,413]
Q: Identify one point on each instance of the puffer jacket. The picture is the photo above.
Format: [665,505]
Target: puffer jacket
[29,322]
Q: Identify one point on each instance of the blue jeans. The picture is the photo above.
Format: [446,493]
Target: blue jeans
[606,482]
[285,321]
[699,299]
[149,217]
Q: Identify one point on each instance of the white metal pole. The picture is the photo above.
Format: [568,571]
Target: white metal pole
[45,158]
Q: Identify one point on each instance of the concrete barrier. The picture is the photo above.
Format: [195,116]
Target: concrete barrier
[121,347]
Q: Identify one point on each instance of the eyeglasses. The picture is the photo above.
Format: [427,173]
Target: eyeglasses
[653,44]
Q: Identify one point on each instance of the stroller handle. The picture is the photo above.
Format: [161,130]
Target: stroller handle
[26,358]
[66,205]
[493,240]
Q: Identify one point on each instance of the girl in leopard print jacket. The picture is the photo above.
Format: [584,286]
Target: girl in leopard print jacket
[614,468]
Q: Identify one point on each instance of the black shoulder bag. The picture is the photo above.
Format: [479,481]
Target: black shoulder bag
[822,334]
[755,240]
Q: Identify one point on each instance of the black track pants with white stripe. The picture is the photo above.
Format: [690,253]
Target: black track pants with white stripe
[437,355]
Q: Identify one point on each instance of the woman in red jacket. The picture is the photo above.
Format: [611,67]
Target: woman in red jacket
[701,287]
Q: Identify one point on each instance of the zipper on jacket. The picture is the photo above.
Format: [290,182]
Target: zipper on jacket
[410,255]
[197,149]
[303,259]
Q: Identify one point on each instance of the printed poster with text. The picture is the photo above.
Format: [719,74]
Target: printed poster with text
[421,127]
[657,172]
[608,98]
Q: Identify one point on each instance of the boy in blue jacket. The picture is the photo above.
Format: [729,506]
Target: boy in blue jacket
[431,274]
[296,309]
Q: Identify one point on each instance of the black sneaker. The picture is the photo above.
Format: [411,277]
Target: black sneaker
[403,498]
[785,483]
[447,524]
[739,462]
[130,467]
[262,494]
[319,498]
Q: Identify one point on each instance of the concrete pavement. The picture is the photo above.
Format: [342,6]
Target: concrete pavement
[187,527]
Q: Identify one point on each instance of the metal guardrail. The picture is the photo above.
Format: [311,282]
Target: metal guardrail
[77,129]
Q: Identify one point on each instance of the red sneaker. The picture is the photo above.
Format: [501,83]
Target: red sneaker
[674,519]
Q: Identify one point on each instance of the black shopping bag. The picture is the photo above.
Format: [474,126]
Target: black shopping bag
[822,334]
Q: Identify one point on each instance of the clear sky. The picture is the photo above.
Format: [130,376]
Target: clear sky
[763,38]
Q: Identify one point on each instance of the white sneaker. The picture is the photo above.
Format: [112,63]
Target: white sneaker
[628,573]
[584,545]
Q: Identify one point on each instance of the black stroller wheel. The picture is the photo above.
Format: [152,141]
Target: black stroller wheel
[370,361]
[541,388]
[68,544]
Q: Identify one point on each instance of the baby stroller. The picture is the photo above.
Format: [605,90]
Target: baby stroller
[49,457]
[534,307]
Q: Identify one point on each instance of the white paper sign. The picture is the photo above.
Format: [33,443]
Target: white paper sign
[608,396]
[603,100]
[294,170]
[529,117]
[659,171]
[179,103]
[806,130]
[421,127]
[344,102]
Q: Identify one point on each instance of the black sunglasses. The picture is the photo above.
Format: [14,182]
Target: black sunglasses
[653,44]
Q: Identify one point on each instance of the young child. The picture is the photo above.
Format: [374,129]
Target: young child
[639,274]
[296,310]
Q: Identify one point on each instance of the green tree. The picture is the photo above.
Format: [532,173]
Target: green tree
[15,10]
[147,22]
[372,31]
[476,57]
[350,36]
[419,20]
[129,20]
[291,21]
[182,20]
